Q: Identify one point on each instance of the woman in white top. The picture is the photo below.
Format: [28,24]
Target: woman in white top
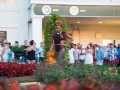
[88,56]
[4,52]
[82,53]
[71,53]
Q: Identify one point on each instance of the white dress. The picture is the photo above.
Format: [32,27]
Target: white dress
[76,56]
[88,57]
[71,56]
[82,57]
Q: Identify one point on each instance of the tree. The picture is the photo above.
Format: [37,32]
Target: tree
[50,29]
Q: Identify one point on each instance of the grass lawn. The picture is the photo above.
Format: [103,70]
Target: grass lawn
[23,79]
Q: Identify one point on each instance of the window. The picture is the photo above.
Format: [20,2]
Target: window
[2,1]
[12,1]
[3,36]
[105,42]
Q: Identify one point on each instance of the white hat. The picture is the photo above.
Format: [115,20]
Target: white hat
[5,41]
[100,45]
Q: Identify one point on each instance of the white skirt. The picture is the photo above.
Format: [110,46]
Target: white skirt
[88,59]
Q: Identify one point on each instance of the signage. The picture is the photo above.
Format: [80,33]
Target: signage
[74,10]
[69,10]
[46,9]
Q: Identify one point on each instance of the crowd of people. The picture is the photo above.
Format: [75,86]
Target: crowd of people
[95,54]
[31,54]
[92,54]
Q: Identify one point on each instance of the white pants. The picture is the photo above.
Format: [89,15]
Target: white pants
[99,62]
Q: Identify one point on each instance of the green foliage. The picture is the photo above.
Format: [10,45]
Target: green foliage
[50,29]
[18,48]
[15,48]
[58,72]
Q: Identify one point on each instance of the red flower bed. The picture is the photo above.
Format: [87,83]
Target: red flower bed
[16,70]
[114,61]
[88,84]
[73,84]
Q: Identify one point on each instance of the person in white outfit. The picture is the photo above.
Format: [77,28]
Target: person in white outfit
[71,54]
[82,54]
[0,53]
[4,52]
[76,54]
[88,56]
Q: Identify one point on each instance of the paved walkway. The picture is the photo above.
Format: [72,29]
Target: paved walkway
[30,83]
[33,83]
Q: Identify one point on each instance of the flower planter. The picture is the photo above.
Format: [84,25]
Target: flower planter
[17,70]
[18,54]
[18,50]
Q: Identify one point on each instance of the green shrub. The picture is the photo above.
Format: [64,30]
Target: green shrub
[49,73]
[18,48]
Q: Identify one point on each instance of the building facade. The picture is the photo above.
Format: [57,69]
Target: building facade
[94,21]
[13,20]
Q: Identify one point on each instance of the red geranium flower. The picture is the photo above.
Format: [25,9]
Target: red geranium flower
[106,87]
[50,88]
[47,61]
[113,71]
[73,80]
[64,84]
[43,77]
[88,87]
[62,69]
[1,88]
[14,85]
[89,78]
[44,68]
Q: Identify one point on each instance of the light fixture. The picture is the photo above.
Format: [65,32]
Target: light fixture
[100,22]
[78,22]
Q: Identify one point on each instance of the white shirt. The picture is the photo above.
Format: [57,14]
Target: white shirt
[96,50]
[71,56]
[82,57]
[41,49]
[77,52]
[5,55]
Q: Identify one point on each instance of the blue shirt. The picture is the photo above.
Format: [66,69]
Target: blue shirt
[9,56]
[113,54]
[37,55]
[118,51]
[41,49]
[100,54]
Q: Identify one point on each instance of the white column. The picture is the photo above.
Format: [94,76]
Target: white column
[37,29]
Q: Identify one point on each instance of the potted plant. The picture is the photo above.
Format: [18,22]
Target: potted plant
[18,50]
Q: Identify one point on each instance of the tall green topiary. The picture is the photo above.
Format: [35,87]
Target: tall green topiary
[50,29]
